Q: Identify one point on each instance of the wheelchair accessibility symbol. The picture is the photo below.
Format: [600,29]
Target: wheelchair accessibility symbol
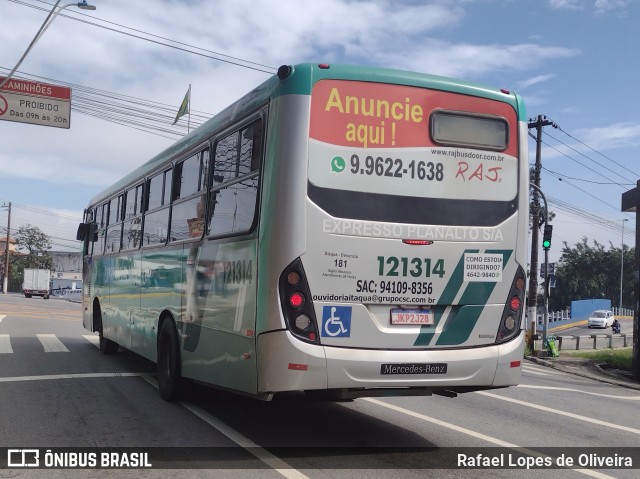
[336,321]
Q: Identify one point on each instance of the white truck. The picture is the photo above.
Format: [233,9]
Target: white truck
[36,283]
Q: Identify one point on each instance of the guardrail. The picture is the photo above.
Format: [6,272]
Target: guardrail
[578,338]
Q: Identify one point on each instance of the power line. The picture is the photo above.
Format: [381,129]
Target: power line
[143,115]
[42,211]
[586,181]
[580,163]
[598,152]
[185,47]
[580,189]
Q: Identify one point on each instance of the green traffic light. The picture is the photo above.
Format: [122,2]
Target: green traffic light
[546,237]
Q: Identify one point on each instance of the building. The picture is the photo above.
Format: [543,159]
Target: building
[66,274]
[3,245]
[68,262]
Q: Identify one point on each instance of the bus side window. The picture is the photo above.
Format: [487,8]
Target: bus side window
[114,228]
[102,218]
[156,218]
[234,208]
[250,148]
[226,158]
[132,226]
[235,186]
[188,210]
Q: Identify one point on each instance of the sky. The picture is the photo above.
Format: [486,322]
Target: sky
[573,61]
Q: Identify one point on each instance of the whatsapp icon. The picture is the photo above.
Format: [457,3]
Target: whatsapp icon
[338,164]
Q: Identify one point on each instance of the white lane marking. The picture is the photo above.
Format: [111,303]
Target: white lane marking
[2,316]
[572,390]
[477,435]
[543,370]
[533,371]
[17,379]
[561,413]
[51,343]
[5,344]
[265,456]
[92,338]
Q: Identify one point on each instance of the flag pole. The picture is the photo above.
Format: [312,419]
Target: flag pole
[189,117]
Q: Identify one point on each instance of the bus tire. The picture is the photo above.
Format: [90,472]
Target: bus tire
[169,375]
[107,346]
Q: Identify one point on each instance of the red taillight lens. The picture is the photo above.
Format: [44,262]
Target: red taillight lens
[417,242]
[293,278]
[515,303]
[296,300]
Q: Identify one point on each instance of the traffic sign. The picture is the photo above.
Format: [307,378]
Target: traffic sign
[36,103]
[551,271]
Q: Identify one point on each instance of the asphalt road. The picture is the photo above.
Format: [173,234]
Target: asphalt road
[57,390]
[569,332]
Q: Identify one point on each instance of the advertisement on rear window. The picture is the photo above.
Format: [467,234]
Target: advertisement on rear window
[379,138]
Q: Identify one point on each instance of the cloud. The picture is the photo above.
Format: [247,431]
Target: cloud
[534,81]
[432,37]
[601,6]
[565,4]
[466,60]
[609,5]
[618,135]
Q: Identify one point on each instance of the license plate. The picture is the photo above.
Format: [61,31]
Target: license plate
[412,316]
[414,368]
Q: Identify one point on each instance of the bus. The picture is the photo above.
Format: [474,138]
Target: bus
[345,231]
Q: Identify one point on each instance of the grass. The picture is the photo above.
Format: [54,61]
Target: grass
[619,358]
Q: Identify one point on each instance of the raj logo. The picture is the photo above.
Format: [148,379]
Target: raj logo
[336,321]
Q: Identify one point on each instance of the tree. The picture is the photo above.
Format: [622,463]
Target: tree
[31,252]
[592,272]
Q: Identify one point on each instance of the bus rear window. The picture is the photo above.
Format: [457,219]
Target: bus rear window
[454,128]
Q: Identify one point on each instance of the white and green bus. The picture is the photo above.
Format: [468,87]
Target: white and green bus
[343,230]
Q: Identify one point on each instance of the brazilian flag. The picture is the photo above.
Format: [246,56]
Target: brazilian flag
[184,107]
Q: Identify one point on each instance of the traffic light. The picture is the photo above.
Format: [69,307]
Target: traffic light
[546,237]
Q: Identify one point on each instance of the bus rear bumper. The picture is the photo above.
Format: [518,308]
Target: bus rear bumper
[287,364]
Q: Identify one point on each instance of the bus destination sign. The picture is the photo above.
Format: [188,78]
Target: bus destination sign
[36,103]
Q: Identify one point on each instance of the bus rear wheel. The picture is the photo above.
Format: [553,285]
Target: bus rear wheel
[107,346]
[170,382]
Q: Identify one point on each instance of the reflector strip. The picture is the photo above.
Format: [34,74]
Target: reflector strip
[515,364]
[298,367]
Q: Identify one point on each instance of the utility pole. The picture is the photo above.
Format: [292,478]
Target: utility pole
[538,124]
[6,252]
[631,203]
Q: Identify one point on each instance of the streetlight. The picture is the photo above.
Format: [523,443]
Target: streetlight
[5,279]
[621,263]
[48,21]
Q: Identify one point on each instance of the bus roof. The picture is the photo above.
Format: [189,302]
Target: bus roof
[300,81]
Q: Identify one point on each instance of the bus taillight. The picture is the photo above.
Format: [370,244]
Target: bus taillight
[508,328]
[298,312]
[417,242]
[296,300]
[515,303]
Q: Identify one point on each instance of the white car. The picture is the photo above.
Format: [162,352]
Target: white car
[600,318]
